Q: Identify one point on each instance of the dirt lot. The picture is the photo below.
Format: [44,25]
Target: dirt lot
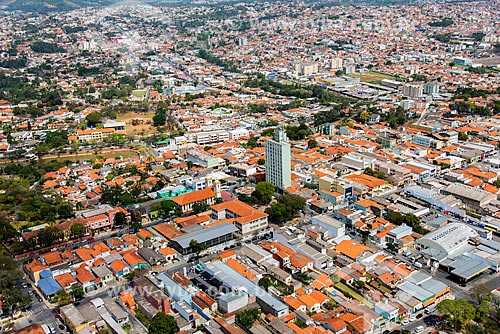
[372,77]
[145,121]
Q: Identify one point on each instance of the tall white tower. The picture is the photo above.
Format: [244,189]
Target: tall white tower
[278,160]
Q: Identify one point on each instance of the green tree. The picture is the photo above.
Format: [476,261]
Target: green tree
[49,236]
[14,298]
[312,143]
[62,297]
[120,219]
[330,305]
[199,207]
[93,118]
[163,324]
[77,291]
[77,230]
[364,116]
[264,192]
[167,206]
[159,119]
[197,247]
[265,282]
[248,317]
[459,311]
[463,136]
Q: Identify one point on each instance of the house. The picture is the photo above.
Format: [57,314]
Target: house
[103,273]
[34,268]
[153,258]
[66,281]
[119,268]
[134,260]
[48,287]
[168,253]
[88,281]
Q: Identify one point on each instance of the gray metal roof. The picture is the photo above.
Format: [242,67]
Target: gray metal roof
[415,291]
[466,267]
[205,234]
[235,281]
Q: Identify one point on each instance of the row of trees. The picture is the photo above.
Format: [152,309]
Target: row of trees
[11,295]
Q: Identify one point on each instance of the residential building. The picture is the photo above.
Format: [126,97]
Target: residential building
[278,160]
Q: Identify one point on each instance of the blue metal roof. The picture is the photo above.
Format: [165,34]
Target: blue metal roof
[46,273]
[49,286]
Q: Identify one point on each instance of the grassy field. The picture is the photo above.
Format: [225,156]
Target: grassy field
[91,155]
[353,294]
[146,127]
[371,77]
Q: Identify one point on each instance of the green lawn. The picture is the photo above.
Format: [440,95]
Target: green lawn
[125,153]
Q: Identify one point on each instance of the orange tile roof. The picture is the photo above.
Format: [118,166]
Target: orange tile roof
[194,197]
[83,275]
[351,248]
[118,265]
[241,269]
[65,280]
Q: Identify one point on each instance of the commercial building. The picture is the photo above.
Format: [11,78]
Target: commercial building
[306,69]
[247,219]
[278,160]
[431,87]
[203,159]
[73,318]
[334,227]
[446,241]
[336,63]
[472,197]
[422,291]
[217,235]
[232,302]
[232,280]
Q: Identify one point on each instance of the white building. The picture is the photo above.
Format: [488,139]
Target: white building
[278,160]
[413,90]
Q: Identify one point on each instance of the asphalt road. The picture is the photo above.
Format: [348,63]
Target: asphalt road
[41,314]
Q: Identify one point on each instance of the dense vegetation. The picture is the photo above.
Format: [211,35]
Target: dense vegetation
[410,219]
[248,317]
[227,65]
[297,90]
[287,207]
[45,47]
[478,316]
[445,22]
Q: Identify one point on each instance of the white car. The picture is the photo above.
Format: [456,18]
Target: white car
[412,319]
[405,322]
[419,329]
